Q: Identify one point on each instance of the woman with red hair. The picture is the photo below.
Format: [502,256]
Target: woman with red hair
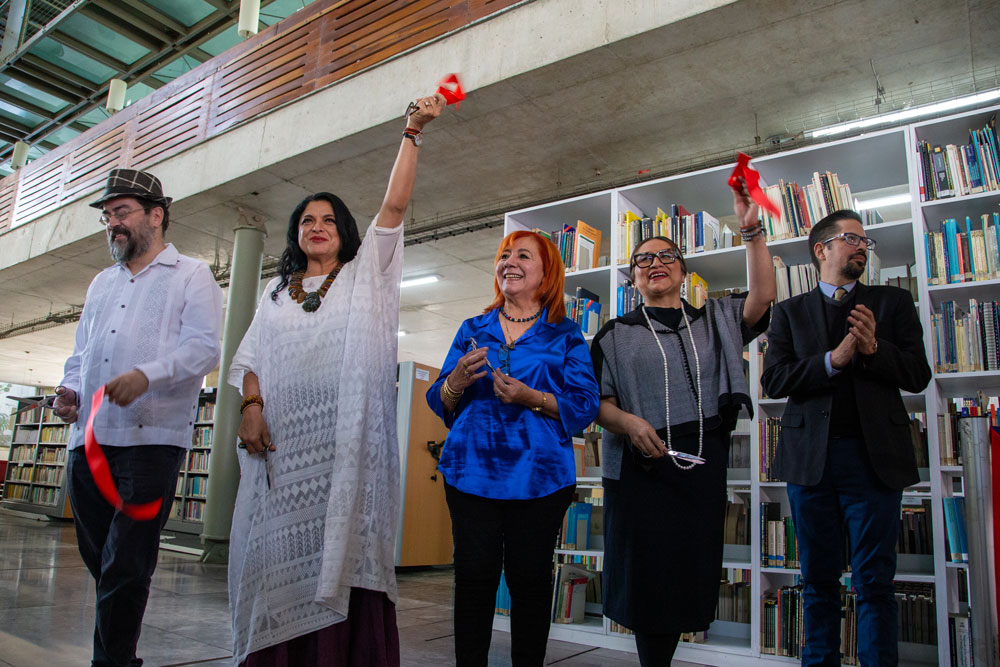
[518,382]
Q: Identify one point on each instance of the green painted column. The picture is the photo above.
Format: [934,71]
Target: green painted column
[224,469]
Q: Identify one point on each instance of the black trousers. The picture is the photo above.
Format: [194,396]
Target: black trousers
[121,552]
[517,536]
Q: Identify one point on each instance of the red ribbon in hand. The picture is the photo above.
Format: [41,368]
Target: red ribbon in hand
[102,473]
[451,95]
[752,178]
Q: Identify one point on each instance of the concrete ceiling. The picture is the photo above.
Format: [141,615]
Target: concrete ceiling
[668,96]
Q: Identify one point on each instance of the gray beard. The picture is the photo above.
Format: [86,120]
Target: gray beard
[136,243]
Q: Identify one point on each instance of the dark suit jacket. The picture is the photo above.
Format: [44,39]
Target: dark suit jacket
[794,367]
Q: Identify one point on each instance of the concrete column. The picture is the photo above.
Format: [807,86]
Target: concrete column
[13,34]
[224,469]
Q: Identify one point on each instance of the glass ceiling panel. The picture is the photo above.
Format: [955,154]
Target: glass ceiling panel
[94,116]
[280,9]
[20,116]
[221,42]
[62,135]
[72,61]
[107,40]
[182,65]
[29,94]
[187,12]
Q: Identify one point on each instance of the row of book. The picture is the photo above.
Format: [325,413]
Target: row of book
[574,587]
[734,602]
[949,444]
[198,486]
[694,290]
[33,416]
[803,206]
[206,412]
[52,455]
[22,454]
[19,474]
[584,308]
[778,546]
[49,475]
[26,436]
[915,533]
[955,170]
[16,491]
[692,232]
[55,434]
[587,454]
[42,495]
[782,620]
[193,510]
[737,523]
[960,640]
[966,337]
[198,461]
[202,436]
[959,254]
[955,535]
[577,526]
[579,247]
[769,435]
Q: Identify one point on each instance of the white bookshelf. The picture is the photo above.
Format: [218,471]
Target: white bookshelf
[874,165]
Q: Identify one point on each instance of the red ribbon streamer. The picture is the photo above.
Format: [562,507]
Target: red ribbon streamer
[451,95]
[752,178]
[102,473]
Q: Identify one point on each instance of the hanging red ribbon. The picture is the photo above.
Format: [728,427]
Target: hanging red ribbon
[451,95]
[752,178]
[102,473]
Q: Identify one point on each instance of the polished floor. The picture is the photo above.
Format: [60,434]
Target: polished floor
[47,602]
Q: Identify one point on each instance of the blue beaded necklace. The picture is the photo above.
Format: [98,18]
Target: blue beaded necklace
[519,319]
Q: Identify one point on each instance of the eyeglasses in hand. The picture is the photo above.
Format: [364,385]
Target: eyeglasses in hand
[644,259]
[852,240]
[106,218]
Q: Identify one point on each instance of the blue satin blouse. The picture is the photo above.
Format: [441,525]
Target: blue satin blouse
[507,451]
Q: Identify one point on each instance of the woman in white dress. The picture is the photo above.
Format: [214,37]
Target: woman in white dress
[312,548]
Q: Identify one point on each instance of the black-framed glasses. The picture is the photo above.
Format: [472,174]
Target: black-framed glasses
[644,259]
[852,240]
[106,218]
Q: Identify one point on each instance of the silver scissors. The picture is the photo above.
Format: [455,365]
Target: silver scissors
[475,346]
[684,456]
[32,403]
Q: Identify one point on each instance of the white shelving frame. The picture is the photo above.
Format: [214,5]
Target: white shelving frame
[878,163]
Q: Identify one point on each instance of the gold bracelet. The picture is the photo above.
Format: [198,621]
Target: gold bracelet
[539,408]
[449,392]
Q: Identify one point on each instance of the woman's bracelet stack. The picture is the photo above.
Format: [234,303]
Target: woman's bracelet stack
[450,393]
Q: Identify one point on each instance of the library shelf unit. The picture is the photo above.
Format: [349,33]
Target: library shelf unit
[192,481]
[875,165]
[36,471]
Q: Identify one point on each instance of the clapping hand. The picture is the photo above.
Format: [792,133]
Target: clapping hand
[862,321]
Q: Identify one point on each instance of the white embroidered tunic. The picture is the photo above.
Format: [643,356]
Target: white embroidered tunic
[329,521]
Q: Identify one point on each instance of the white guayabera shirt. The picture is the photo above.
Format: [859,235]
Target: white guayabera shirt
[164,321]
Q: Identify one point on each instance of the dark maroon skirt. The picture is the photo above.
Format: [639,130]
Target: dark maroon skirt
[368,637]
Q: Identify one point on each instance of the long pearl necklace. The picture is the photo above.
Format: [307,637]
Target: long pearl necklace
[666,385]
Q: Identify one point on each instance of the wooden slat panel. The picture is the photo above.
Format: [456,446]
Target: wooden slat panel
[168,145]
[108,149]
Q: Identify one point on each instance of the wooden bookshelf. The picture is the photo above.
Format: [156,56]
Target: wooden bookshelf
[874,165]
[36,469]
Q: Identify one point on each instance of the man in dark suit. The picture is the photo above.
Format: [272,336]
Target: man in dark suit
[841,353]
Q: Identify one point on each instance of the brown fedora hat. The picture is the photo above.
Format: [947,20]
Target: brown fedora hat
[133,183]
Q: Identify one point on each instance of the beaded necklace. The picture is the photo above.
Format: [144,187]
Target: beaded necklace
[520,319]
[666,386]
[310,301]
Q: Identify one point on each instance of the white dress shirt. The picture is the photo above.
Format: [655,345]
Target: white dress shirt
[164,321]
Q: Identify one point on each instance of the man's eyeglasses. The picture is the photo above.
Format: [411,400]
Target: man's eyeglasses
[106,218]
[644,259]
[852,240]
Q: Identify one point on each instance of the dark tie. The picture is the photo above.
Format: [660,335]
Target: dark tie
[839,293]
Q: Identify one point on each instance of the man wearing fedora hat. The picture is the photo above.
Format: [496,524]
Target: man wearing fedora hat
[148,334]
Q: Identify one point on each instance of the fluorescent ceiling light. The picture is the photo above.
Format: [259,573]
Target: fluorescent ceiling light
[881,201]
[907,114]
[400,333]
[423,280]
